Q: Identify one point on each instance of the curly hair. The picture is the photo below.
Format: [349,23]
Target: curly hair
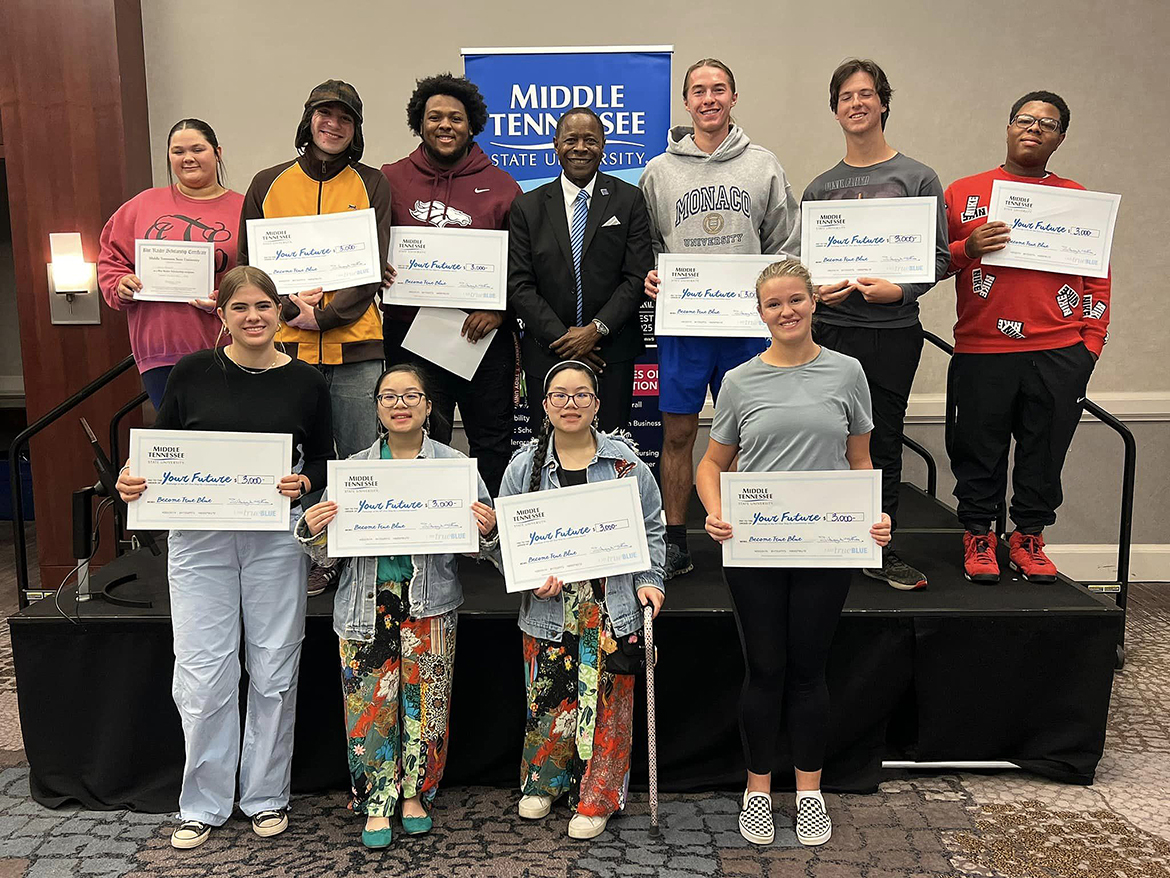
[462,89]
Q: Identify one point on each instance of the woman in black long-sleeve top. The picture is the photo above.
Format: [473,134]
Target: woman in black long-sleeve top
[222,581]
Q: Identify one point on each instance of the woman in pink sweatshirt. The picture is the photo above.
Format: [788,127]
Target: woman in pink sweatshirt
[195,208]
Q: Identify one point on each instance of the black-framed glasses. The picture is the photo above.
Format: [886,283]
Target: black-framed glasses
[410,399]
[582,399]
[1024,121]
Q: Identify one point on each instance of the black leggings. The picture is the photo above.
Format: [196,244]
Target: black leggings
[786,620]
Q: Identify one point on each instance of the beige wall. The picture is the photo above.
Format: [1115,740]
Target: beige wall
[246,68]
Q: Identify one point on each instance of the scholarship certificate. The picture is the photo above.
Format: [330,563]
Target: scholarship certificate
[197,480]
[574,533]
[174,271]
[332,251]
[806,519]
[709,295]
[449,268]
[889,238]
[402,507]
[1068,231]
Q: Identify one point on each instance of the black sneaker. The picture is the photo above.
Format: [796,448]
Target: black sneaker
[897,573]
[813,826]
[678,561]
[321,579]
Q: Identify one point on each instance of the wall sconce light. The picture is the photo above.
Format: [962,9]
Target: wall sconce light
[73,289]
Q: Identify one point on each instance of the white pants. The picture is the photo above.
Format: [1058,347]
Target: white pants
[217,580]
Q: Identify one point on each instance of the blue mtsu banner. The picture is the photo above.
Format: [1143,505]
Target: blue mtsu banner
[528,90]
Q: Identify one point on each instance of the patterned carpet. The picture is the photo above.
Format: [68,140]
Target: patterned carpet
[1004,825]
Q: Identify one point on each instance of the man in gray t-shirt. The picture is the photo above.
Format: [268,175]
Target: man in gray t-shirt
[872,319]
[793,418]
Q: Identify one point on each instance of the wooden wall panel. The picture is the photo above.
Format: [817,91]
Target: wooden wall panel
[73,111]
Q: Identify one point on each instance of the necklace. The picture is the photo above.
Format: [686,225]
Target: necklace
[248,369]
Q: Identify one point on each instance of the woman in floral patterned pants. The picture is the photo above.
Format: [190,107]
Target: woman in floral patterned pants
[579,731]
[395,617]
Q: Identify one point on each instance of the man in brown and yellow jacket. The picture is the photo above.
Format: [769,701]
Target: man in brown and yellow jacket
[339,332]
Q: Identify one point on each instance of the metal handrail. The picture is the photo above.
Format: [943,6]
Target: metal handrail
[1128,477]
[116,457]
[928,459]
[14,451]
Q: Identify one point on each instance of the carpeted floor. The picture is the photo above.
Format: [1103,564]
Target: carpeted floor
[1003,825]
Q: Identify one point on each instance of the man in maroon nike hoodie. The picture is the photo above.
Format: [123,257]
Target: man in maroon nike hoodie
[448,181]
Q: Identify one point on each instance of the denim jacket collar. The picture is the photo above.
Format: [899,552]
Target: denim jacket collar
[374,452]
[611,446]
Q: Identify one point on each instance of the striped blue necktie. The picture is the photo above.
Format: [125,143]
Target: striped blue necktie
[576,239]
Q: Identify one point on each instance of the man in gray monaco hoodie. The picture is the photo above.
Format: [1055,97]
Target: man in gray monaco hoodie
[712,191]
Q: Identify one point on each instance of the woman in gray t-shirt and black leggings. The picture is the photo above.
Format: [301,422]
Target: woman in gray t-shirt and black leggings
[795,407]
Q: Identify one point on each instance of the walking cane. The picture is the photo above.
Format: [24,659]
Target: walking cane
[651,722]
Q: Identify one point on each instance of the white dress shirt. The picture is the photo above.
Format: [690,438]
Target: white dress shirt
[570,190]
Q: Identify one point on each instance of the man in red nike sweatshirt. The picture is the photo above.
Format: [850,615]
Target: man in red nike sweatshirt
[1025,345]
[449,182]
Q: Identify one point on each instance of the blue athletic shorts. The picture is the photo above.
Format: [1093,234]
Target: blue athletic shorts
[687,366]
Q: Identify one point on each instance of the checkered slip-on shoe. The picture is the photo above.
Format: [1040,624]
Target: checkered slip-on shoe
[813,826]
[755,818]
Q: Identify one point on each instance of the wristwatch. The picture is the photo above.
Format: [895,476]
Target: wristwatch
[602,329]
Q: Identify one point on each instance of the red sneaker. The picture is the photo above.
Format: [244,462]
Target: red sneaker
[979,564]
[1026,552]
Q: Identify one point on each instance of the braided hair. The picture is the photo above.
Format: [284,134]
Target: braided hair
[546,428]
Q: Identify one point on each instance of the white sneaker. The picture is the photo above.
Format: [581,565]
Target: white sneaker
[535,807]
[755,817]
[189,834]
[272,822]
[813,826]
[581,826]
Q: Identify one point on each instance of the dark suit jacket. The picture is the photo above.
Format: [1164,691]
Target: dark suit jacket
[614,260]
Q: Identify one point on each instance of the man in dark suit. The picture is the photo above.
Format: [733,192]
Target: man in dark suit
[579,249]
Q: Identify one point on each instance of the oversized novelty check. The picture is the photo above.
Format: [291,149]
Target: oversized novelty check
[174,271]
[402,507]
[197,480]
[1068,231]
[805,519]
[574,533]
[888,238]
[449,268]
[332,251]
[709,295]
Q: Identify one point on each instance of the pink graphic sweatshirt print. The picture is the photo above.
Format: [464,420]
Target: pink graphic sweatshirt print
[162,333]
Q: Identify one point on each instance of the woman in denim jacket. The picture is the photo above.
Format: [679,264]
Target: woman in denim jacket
[396,619]
[579,727]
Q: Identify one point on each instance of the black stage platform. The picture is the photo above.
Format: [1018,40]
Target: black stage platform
[959,672]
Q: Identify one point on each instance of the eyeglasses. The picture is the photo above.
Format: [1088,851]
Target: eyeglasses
[581,400]
[410,399]
[1023,121]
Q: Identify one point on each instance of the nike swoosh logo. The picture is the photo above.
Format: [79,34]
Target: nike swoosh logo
[1080,399]
[477,191]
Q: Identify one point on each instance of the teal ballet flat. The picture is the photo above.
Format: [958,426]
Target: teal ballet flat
[376,839]
[417,825]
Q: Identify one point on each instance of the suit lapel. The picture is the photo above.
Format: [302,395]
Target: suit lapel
[554,207]
[597,205]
